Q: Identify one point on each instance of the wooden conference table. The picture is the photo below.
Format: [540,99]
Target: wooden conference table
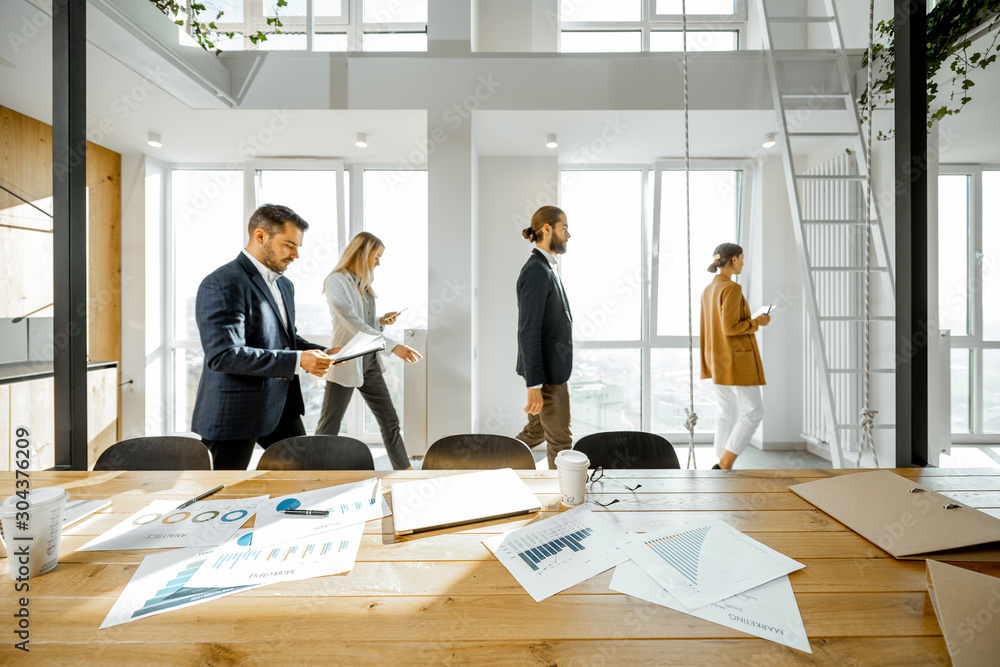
[442,598]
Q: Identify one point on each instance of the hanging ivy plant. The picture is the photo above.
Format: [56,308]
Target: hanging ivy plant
[949,61]
[203,29]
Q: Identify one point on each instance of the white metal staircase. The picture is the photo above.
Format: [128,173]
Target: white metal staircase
[811,84]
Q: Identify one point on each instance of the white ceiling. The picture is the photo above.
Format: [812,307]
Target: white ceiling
[616,137]
[123,107]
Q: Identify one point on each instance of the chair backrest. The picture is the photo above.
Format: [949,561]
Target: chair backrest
[628,449]
[317,452]
[478,451]
[168,452]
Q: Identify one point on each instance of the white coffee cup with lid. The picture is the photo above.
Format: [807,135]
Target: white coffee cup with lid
[572,467]
[32,528]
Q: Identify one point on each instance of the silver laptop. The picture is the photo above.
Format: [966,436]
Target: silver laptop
[453,500]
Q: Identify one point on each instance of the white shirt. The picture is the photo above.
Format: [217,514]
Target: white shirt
[271,280]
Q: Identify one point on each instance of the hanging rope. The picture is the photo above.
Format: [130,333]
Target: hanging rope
[692,416]
[867,414]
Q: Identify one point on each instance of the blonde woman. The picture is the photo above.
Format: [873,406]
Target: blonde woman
[729,355]
[349,292]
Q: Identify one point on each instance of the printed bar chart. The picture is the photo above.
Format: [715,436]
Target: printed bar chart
[232,559]
[536,555]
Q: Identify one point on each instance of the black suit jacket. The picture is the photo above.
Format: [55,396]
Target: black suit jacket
[249,367]
[544,325]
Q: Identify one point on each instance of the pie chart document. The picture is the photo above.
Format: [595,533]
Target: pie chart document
[705,562]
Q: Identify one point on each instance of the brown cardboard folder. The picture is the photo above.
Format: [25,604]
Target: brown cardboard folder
[967,605]
[885,508]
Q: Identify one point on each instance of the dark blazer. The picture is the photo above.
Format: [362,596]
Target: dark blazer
[544,325]
[250,357]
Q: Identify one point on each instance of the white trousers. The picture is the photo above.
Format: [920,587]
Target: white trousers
[740,412]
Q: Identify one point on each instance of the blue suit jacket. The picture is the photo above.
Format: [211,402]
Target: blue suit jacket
[544,325]
[250,359]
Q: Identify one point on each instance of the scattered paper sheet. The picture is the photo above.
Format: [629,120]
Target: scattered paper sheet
[207,523]
[967,605]
[231,564]
[161,583]
[362,343]
[706,562]
[77,510]
[551,555]
[347,504]
[768,611]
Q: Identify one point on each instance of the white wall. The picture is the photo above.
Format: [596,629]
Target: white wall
[777,279]
[512,26]
[509,191]
[143,192]
[133,255]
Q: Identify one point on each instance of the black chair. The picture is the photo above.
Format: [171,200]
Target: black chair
[167,452]
[628,449]
[317,452]
[478,451]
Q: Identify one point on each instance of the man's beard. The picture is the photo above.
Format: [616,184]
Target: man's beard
[270,259]
[557,246]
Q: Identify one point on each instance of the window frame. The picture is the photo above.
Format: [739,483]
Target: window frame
[974,341]
[651,22]
[648,340]
[351,24]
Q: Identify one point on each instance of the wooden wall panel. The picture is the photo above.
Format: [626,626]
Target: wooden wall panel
[32,405]
[5,428]
[26,253]
[102,412]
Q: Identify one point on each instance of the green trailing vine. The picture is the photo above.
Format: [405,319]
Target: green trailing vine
[195,17]
[949,61]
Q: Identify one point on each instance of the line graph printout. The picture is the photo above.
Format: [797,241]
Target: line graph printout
[551,555]
[347,504]
[706,562]
[161,583]
[231,564]
[768,611]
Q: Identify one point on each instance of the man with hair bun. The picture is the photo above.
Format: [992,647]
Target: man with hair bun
[545,335]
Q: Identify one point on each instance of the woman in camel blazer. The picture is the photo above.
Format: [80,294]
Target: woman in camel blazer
[729,355]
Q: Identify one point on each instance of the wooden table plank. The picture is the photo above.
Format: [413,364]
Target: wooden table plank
[482,577]
[325,650]
[442,598]
[454,617]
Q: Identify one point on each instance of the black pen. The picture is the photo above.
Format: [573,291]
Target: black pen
[197,498]
[306,512]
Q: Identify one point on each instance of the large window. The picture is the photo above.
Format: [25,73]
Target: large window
[968,291]
[601,26]
[322,25]
[630,369]
[208,213]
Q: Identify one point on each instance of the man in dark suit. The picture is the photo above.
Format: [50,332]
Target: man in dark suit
[545,335]
[249,390]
